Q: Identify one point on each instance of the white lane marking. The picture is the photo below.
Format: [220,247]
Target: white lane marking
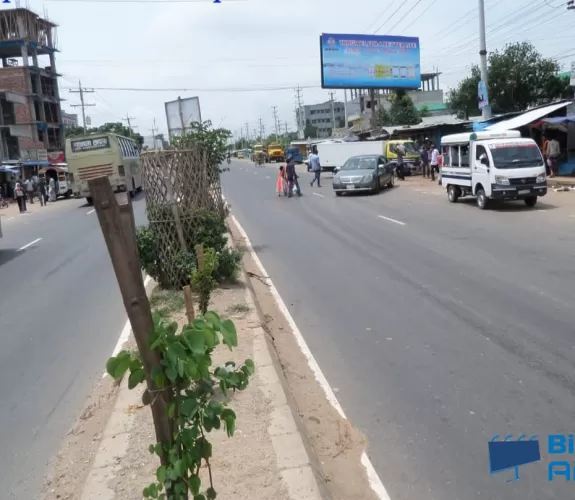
[374,481]
[126,331]
[10,218]
[27,245]
[91,211]
[320,195]
[541,210]
[392,220]
[268,177]
[569,216]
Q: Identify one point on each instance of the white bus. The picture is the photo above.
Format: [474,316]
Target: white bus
[98,155]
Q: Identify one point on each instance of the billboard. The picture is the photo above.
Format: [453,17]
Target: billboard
[369,61]
[180,113]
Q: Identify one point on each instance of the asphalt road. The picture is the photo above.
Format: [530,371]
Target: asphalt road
[61,315]
[440,325]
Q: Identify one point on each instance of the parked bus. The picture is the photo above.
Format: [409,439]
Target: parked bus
[98,155]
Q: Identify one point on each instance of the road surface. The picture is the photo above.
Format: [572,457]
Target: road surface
[61,314]
[441,325]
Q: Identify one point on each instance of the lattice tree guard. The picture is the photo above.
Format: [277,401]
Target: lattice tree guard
[180,190]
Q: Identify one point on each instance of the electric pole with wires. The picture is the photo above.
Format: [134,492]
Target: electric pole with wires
[128,120]
[276,122]
[486,109]
[331,94]
[82,104]
[300,119]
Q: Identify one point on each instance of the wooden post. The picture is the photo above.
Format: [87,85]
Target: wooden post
[175,209]
[200,256]
[118,227]
[189,299]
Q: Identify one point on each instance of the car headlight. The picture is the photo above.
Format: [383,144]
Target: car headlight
[368,177]
[541,178]
[501,179]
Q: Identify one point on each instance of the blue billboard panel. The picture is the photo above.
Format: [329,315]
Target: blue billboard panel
[369,61]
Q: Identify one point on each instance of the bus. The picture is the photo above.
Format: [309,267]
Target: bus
[106,154]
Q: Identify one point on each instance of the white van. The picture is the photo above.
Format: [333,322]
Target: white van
[492,166]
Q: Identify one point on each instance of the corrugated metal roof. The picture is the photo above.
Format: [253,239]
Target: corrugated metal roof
[527,117]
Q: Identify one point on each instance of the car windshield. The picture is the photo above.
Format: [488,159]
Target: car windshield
[410,148]
[516,155]
[360,163]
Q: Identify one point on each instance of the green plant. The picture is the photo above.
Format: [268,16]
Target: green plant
[148,250]
[203,277]
[229,261]
[185,264]
[186,372]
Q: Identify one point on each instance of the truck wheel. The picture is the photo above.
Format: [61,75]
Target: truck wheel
[530,202]
[482,200]
[453,193]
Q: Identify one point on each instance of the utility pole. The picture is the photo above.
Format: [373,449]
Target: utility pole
[331,94]
[373,115]
[82,104]
[275,112]
[129,119]
[299,113]
[248,132]
[261,129]
[153,130]
[486,110]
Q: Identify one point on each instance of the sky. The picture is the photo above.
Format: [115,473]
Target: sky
[243,57]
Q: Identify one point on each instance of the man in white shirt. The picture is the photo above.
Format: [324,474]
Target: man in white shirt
[553,153]
[315,166]
[29,185]
[434,153]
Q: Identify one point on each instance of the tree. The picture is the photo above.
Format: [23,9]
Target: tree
[403,111]
[212,141]
[309,130]
[462,100]
[383,117]
[424,111]
[113,128]
[518,77]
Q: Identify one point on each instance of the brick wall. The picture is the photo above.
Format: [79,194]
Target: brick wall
[13,79]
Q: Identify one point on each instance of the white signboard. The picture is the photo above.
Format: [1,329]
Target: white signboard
[181,113]
[572,82]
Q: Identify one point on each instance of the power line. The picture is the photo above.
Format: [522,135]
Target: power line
[380,16]
[251,88]
[82,104]
[143,1]
[389,18]
[399,22]
[417,18]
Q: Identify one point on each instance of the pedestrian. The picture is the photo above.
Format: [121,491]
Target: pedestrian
[29,184]
[424,155]
[400,152]
[439,166]
[42,191]
[434,153]
[291,177]
[553,153]
[281,185]
[20,196]
[52,189]
[315,167]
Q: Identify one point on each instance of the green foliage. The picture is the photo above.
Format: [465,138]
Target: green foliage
[518,77]
[229,263]
[208,229]
[186,373]
[114,128]
[403,111]
[309,130]
[212,141]
[424,111]
[203,277]
[462,100]
[383,117]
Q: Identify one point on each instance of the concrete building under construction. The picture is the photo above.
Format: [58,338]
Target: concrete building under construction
[30,113]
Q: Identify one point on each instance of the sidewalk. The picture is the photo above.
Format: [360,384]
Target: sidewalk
[265,459]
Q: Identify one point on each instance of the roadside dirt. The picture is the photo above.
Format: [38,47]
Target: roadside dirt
[69,469]
[336,443]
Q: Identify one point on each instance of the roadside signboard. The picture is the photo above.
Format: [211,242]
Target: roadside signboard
[572,82]
[369,62]
[181,113]
[482,98]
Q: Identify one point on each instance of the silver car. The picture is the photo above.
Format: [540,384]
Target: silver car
[363,173]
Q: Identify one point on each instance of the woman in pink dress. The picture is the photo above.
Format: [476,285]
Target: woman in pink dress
[281,183]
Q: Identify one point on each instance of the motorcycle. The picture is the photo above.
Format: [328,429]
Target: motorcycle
[229,160]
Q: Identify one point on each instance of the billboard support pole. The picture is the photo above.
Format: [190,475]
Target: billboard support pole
[373,115]
[345,108]
[181,113]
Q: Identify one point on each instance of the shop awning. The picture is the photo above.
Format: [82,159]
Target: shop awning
[9,170]
[527,118]
[560,120]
